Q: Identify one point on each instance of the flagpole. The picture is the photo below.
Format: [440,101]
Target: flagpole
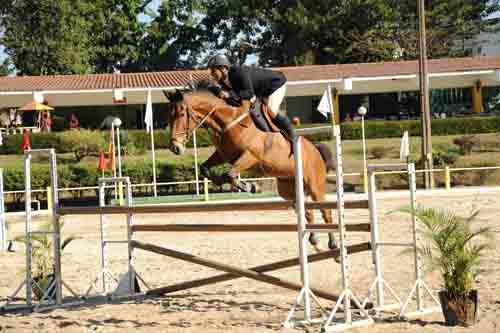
[150,129]
[196,164]
[114,157]
[330,102]
[153,156]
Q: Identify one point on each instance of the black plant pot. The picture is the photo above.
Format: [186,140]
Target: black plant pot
[461,311]
[41,288]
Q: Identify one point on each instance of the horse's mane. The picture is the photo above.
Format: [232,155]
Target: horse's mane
[202,86]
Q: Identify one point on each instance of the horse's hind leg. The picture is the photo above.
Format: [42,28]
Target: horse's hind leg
[318,194]
[286,189]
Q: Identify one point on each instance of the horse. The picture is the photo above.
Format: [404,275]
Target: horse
[239,142]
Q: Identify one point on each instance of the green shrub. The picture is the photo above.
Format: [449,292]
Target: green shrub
[12,143]
[83,143]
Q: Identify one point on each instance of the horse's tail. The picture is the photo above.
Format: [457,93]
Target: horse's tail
[326,154]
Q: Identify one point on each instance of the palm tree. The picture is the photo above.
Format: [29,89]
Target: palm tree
[42,256]
[452,245]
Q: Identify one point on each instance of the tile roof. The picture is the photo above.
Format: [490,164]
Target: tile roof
[180,78]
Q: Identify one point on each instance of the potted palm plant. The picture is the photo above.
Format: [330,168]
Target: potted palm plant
[453,245]
[42,260]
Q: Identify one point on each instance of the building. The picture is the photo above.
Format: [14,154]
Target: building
[93,97]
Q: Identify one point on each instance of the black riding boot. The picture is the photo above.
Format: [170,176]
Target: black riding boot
[284,124]
[258,118]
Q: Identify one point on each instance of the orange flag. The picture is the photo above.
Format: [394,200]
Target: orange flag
[26,141]
[111,150]
[102,162]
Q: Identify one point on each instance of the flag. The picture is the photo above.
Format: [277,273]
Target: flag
[26,141]
[324,105]
[102,162]
[404,150]
[111,150]
[1,139]
[148,117]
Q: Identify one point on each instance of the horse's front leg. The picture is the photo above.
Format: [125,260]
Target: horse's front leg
[215,159]
[244,162]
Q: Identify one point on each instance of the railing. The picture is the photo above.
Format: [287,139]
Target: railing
[18,130]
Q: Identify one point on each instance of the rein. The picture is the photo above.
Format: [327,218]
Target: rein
[221,130]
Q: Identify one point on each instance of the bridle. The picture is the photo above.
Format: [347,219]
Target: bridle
[188,133]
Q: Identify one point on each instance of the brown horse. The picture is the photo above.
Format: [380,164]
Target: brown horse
[240,143]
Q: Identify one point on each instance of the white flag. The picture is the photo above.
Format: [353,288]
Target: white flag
[148,117]
[324,105]
[1,139]
[404,150]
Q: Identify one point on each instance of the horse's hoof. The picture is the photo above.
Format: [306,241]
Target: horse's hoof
[332,245]
[317,248]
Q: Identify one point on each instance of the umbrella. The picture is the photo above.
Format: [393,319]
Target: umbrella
[34,106]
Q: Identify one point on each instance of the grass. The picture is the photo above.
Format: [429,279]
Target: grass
[199,198]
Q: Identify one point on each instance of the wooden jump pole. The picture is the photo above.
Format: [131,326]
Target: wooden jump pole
[228,268]
[258,269]
[207,207]
[361,227]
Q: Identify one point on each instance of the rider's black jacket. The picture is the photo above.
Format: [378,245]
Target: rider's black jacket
[247,82]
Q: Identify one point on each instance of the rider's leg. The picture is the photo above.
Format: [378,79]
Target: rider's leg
[258,118]
[280,119]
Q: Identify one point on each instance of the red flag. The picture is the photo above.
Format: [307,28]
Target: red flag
[26,141]
[102,162]
[111,150]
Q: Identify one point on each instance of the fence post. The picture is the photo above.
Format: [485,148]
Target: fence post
[205,188]
[447,177]
[365,180]
[49,199]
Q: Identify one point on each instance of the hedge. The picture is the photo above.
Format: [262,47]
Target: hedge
[81,175]
[139,139]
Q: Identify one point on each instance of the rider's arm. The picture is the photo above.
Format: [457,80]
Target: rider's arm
[244,83]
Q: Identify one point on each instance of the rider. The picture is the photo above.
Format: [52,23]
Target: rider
[245,85]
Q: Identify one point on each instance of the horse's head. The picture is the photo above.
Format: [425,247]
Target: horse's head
[181,122]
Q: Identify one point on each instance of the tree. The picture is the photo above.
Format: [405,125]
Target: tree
[44,37]
[296,32]
[115,33]
[5,67]
[173,39]
[452,26]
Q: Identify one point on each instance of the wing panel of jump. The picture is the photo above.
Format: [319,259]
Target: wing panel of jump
[259,269]
[362,227]
[206,207]
[229,269]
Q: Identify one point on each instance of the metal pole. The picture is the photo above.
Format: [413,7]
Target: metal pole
[301,221]
[56,225]
[114,157]
[196,164]
[418,259]
[365,180]
[131,274]
[372,202]
[102,221]
[424,99]
[119,152]
[3,228]
[27,207]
